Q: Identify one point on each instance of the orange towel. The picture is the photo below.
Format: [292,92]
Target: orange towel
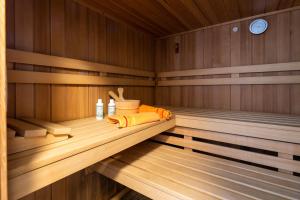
[163,113]
[133,119]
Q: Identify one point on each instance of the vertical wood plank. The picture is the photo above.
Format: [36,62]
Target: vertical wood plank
[235,56]
[295,56]
[3,103]
[174,64]
[283,55]
[245,59]
[207,63]
[10,43]
[270,56]
[24,41]
[258,47]
[197,96]
[42,45]
[58,101]
[58,190]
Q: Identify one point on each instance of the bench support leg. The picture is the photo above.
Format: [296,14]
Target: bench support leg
[286,156]
[188,138]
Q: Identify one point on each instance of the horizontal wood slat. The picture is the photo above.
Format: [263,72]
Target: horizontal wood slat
[24,57]
[55,129]
[287,180]
[234,81]
[16,76]
[25,129]
[197,172]
[265,131]
[154,187]
[154,165]
[278,67]
[19,144]
[283,147]
[258,158]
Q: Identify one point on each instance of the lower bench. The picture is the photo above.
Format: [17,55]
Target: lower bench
[213,154]
[164,172]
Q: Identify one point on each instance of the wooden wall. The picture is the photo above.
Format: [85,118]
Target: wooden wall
[65,28]
[219,46]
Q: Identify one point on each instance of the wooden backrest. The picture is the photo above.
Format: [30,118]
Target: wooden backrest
[256,151]
[231,75]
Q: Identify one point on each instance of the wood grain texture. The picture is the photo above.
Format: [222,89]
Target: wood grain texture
[55,129]
[25,129]
[224,50]
[3,103]
[165,17]
[277,67]
[21,77]
[10,133]
[174,172]
[67,29]
[16,56]
[18,144]
[100,149]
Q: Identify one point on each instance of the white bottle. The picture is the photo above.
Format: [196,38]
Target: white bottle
[111,107]
[99,110]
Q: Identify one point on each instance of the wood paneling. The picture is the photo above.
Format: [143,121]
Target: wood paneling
[3,100]
[220,47]
[16,56]
[163,17]
[65,28]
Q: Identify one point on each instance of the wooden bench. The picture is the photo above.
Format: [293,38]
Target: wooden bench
[203,162]
[91,141]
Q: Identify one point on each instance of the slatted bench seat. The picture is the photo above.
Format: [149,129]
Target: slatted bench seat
[196,160]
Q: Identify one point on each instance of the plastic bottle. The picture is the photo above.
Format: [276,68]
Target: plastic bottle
[111,107]
[99,110]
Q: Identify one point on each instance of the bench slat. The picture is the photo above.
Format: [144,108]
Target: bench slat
[265,131]
[230,181]
[185,181]
[206,174]
[248,169]
[171,153]
[213,168]
[153,186]
[278,119]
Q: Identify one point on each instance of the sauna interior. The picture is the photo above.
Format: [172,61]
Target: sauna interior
[206,99]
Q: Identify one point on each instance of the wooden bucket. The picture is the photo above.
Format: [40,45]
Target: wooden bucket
[127,107]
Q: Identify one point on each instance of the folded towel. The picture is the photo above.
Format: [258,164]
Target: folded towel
[133,119]
[163,113]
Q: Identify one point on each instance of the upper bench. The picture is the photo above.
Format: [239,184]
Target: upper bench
[271,126]
[91,141]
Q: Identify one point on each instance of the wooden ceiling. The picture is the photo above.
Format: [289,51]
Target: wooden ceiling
[164,17]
